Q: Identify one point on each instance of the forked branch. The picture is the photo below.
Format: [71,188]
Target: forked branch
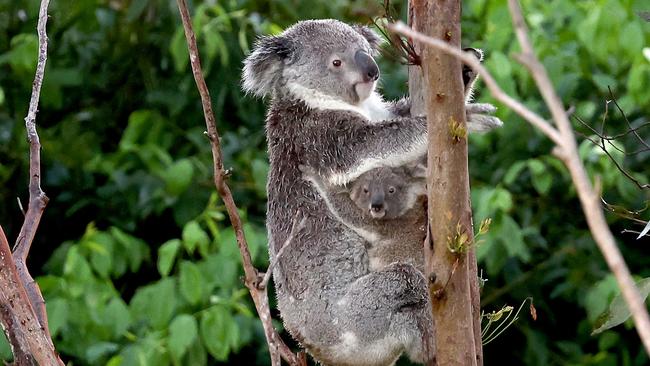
[22,309]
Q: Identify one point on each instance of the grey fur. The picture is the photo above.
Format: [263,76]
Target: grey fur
[386,206]
[330,301]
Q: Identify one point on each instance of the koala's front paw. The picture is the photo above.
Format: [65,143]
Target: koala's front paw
[400,108]
[479,118]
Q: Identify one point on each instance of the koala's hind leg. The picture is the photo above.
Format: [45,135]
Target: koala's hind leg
[384,314]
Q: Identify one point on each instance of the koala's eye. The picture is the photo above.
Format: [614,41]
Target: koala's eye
[391,190]
[336,63]
[365,190]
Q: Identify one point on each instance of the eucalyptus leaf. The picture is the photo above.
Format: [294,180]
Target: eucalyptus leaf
[618,311]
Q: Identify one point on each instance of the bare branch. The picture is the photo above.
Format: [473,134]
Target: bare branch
[277,348]
[30,343]
[37,199]
[22,308]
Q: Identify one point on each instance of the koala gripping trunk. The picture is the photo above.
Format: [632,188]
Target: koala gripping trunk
[436,88]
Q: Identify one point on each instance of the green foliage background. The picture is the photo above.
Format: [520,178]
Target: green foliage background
[134,254]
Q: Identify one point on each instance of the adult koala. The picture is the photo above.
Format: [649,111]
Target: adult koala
[324,114]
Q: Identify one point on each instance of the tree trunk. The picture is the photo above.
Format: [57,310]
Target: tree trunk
[436,89]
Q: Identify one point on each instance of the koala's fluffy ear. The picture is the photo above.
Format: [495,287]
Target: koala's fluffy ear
[469,75]
[373,38]
[263,67]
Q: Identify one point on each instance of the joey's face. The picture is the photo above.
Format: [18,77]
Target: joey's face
[382,194]
[331,58]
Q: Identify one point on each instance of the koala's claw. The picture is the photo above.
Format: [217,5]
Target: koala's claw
[479,118]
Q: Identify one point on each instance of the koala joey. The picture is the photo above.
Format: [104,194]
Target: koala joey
[325,114]
[387,207]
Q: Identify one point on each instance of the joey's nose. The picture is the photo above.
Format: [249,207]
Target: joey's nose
[366,65]
[376,206]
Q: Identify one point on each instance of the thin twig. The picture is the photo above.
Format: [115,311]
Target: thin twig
[603,148]
[277,348]
[641,140]
[610,142]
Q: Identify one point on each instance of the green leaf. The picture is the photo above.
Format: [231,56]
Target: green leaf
[178,176]
[155,303]
[57,314]
[178,49]
[260,169]
[96,351]
[217,331]
[5,349]
[167,255]
[135,9]
[191,282]
[196,355]
[500,199]
[139,124]
[183,331]
[135,249]
[618,311]
[116,360]
[631,38]
[117,316]
[193,236]
[23,53]
[542,178]
[513,172]
[513,239]
[77,270]
[2,96]
[101,253]
[604,81]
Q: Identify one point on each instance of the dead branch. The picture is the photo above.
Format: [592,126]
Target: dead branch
[22,308]
[563,137]
[37,199]
[29,342]
[605,141]
[277,348]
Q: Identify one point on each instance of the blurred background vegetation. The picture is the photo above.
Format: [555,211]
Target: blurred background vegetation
[134,255]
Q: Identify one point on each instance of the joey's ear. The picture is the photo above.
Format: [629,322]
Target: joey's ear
[416,171]
[263,67]
[370,35]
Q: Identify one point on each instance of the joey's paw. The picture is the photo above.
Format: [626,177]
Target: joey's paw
[479,118]
[308,173]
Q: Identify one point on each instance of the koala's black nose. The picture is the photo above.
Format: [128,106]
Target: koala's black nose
[366,65]
[377,202]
